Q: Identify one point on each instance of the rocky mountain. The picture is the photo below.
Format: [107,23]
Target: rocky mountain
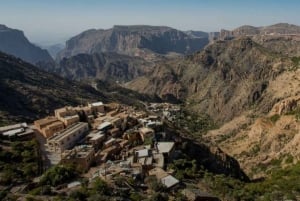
[134,41]
[223,80]
[14,42]
[280,38]
[104,66]
[272,30]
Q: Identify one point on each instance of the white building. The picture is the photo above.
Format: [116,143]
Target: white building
[67,138]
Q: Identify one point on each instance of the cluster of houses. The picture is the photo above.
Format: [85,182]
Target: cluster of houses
[108,141]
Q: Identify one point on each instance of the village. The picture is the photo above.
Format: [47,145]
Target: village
[108,141]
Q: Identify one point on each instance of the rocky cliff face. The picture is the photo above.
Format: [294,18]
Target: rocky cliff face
[14,42]
[131,40]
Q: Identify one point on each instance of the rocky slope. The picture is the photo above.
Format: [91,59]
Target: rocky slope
[223,80]
[28,93]
[14,42]
[133,40]
[104,66]
[261,143]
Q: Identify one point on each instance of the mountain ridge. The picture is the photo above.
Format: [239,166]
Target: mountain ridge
[14,42]
[132,39]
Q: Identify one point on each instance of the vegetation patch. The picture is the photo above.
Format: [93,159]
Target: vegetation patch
[274,118]
[19,161]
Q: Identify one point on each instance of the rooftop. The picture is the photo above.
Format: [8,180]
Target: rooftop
[78,152]
[61,135]
[142,153]
[110,141]
[169,181]
[104,125]
[97,104]
[47,120]
[164,147]
[97,137]
[13,132]
[11,127]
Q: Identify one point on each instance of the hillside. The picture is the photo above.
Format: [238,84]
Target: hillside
[27,92]
[281,38]
[135,40]
[223,80]
[104,66]
[14,42]
[265,142]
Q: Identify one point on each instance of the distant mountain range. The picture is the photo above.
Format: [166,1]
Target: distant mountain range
[276,29]
[14,42]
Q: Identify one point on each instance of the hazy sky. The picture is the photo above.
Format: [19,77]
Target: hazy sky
[52,21]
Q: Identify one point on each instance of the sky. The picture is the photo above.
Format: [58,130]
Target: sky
[48,22]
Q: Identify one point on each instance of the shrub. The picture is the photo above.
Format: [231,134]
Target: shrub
[58,175]
[274,118]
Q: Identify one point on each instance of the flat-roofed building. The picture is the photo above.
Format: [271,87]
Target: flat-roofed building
[110,142]
[65,111]
[97,107]
[146,132]
[165,148]
[67,138]
[96,139]
[105,126]
[17,131]
[117,122]
[114,132]
[110,152]
[68,115]
[167,180]
[81,156]
[48,126]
